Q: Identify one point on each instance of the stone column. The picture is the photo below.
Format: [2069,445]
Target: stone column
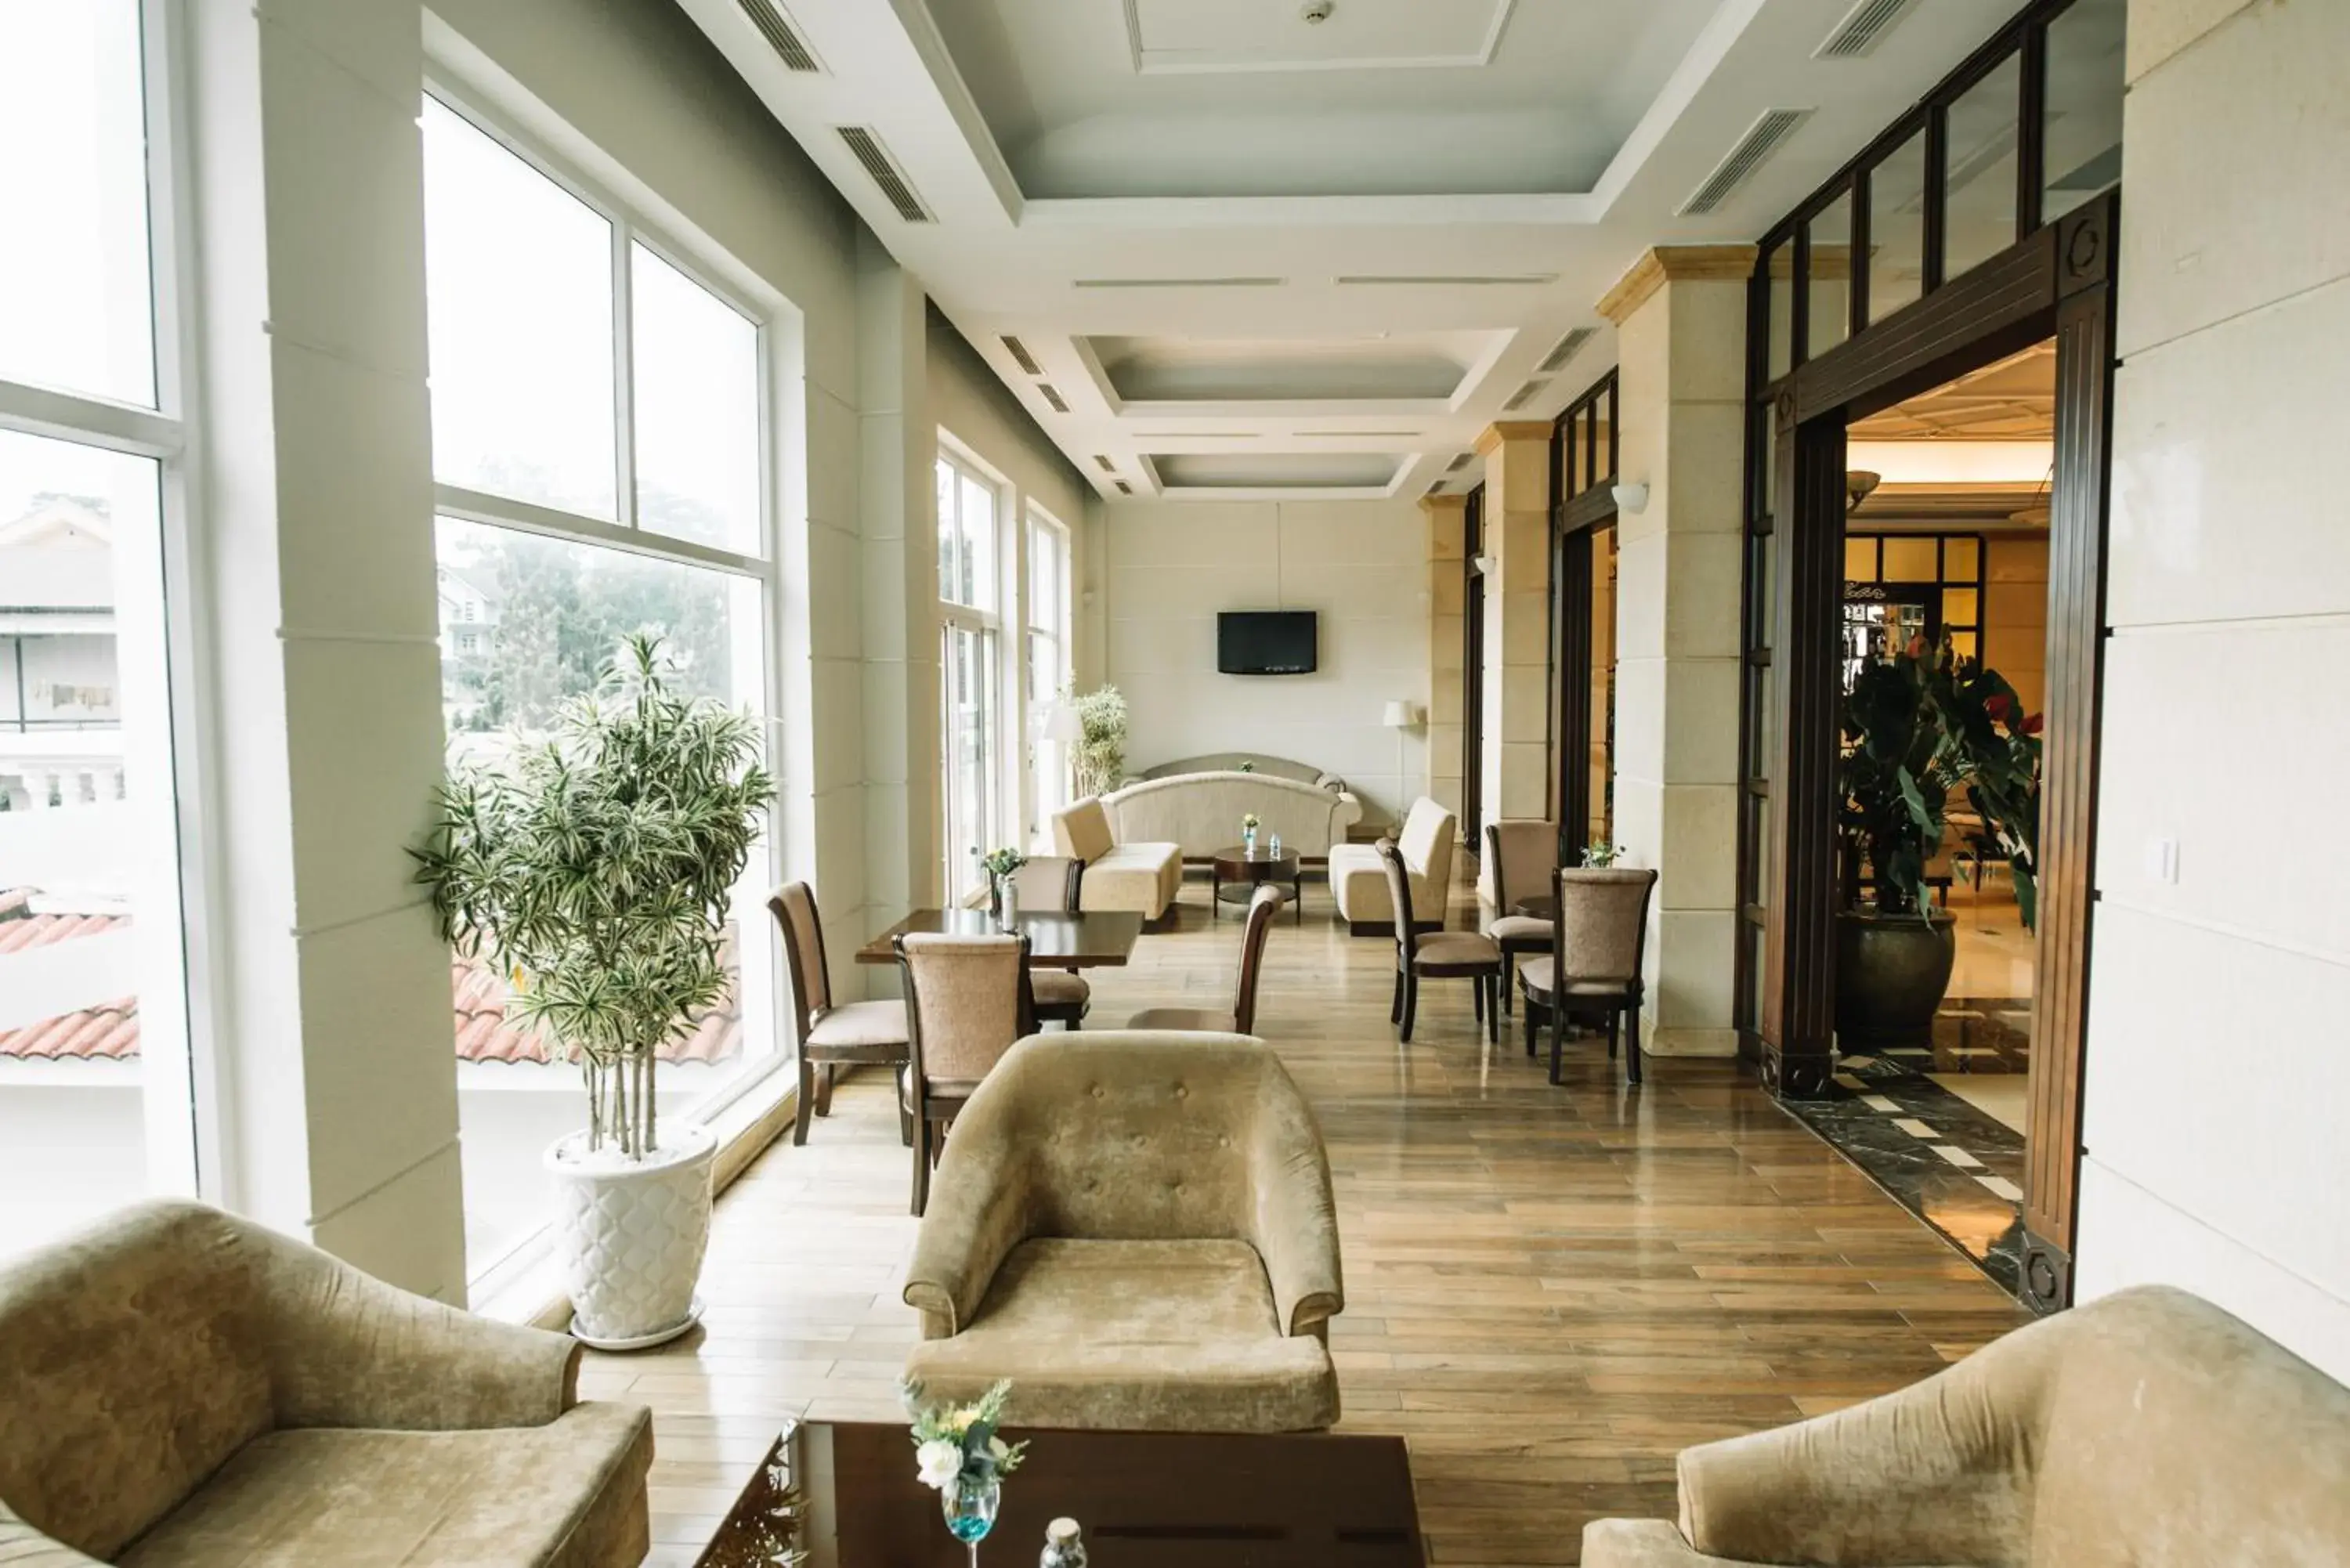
[1680,318]
[1516,744]
[1447,647]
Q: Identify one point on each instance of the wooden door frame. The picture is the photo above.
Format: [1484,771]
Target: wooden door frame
[1472,671]
[1583,502]
[2059,282]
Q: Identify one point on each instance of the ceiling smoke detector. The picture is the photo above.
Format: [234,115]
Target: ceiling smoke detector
[1317,12]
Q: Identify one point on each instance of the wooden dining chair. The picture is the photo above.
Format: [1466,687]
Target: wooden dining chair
[967,1000]
[1520,855]
[873,1034]
[1595,965]
[1050,883]
[1437,955]
[1263,904]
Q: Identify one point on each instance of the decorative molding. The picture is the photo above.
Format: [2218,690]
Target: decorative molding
[1444,505]
[1661,265]
[1500,431]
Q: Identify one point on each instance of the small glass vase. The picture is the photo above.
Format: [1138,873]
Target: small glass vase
[970,1508]
[1007,904]
[1248,842]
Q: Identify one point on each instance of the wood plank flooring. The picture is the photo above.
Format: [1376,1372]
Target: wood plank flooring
[1550,1291]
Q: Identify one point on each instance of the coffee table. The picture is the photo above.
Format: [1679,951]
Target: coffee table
[843,1495]
[1234,874]
[1091,941]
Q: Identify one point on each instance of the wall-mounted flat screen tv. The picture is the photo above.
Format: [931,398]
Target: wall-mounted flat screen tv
[1266,643]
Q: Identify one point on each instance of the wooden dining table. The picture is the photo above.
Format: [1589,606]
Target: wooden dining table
[1103,940]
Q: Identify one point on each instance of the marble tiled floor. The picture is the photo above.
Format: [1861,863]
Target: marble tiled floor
[1550,1291]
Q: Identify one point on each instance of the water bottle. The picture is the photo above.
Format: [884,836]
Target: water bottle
[1276,846]
[1064,1548]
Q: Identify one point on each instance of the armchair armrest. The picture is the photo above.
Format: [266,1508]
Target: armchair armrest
[347,1350]
[1293,1221]
[1941,1471]
[978,1210]
[22,1546]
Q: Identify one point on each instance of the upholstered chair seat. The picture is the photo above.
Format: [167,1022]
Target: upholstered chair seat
[184,1388]
[1242,1019]
[1423,954]
[1059,988]
[1136,1229]
[1192,1020]
[1520,854]
[1595,964]
[2147,1430]
[831,1035]
[1521,929]
[878,1024]
[1433,952]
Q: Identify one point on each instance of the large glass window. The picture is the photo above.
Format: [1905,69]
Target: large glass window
[2081,151]
[1979,177]
[96,1092]
[1049,670]
[534,291]
[1830,307]
[968,596]
[1897,228]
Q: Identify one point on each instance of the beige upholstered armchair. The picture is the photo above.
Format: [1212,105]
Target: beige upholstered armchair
[2149,1430]
[1143,879]
[1359,883]
[1136,1229]
[179,1387]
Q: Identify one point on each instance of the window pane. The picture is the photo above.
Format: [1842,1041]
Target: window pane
[518,286]
[1980,164]
[975,575]
[966,693]
[1778,266]
[1958,556]
[696,368]
[950,532]
[1897,228]
[526,622]
[2083,122]
[1860,560]
[1831,280]
[95,1107]
[1958,607]
[75,299]
[1910,560]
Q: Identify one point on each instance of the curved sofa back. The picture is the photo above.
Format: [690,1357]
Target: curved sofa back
[1202,811]
[1230,763]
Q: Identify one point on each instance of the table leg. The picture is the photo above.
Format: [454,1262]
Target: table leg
[1215,893]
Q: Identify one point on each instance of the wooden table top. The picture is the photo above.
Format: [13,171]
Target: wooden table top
[1091,941]
[1238,861]
[845,1494]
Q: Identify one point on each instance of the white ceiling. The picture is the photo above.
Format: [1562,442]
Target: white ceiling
[1224,234]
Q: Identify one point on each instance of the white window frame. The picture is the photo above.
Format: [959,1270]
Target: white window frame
[1045,758]
[1000,675]
[186,1154]
[631,227]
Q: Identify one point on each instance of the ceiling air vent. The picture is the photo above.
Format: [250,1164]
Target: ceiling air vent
[1763,137]
[1124,488]
[1178,282]
[1566,348]
[1020,356]
[1442,280]
[1053,396]
[878,163]
[1526,394]
[1863,28]
[776,28]
[1432,489]
[1103,462]
[1459,462]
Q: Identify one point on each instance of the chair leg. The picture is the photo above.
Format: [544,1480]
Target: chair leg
[1632,1046]
[1613,1020]
[1477,997]
[1530,1028]
[905,1121]
[1410,1003]
[1493,984]
[823,1088]
[1508,990]
[806,1107]
[1557,1036]
[922,1135]
[1394,998]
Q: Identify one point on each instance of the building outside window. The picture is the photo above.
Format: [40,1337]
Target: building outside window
[98,1090]
[598,427]
[969,657]
[1049,672]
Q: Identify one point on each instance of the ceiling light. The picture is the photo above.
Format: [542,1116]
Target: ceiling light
[1317,12]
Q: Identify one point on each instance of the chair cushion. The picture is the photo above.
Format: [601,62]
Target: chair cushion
[1136,1336]
[1521,929]
[1143,879]
[1454,948]
[1059,988]
[1191,1019]
[860,1024]
[521,1495]
[1533,973]
[1359,884]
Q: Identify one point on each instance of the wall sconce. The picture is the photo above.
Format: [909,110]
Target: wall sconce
[1631,498]
[1483,566]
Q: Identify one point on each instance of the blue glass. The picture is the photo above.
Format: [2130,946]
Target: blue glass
[970,1508]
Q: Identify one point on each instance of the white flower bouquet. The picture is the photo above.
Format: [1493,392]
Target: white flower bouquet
[956,1445]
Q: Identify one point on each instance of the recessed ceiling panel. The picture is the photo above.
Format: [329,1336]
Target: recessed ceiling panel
[1244,98]
[1175,369]
[1276,470]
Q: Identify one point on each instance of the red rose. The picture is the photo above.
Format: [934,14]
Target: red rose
[1998,706]
[2032,725]
[1916,647]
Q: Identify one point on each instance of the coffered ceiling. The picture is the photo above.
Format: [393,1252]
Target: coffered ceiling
[1219,248]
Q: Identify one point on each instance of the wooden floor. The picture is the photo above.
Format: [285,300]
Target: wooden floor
[1549,1291]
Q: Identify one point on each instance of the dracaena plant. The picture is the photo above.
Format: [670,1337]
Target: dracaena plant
[594,867]
[1917,726]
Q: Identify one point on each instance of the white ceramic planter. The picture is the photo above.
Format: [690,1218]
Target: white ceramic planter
[629,1237]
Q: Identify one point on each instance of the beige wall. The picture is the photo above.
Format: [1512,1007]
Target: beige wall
[2015,614]
[1172,566]
[2217,1075]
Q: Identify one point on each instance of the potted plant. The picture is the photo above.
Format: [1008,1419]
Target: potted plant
[1917,726]
[594,871]
[1101,750]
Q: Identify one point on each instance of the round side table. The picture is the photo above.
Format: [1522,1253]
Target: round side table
[1235,874]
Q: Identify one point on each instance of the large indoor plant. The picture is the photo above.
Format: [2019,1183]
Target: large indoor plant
[1919,726]
[594,870]
[1101,751]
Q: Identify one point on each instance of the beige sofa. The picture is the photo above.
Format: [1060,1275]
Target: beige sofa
[181,1389]
[1135,1228]
[1359,883]
[1200,812]
[1143,877]
[1230,763]
[2149,1430]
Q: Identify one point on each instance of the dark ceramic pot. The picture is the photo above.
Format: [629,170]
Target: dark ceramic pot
[1891,973]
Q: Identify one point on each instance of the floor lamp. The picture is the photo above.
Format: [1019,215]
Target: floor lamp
[1066,727]
[1400,716]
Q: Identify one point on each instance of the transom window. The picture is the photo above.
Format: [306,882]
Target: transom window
[970,655]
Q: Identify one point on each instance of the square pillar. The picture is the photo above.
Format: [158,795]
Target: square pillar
[1515,741]
[1447,647]
[1680,319]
